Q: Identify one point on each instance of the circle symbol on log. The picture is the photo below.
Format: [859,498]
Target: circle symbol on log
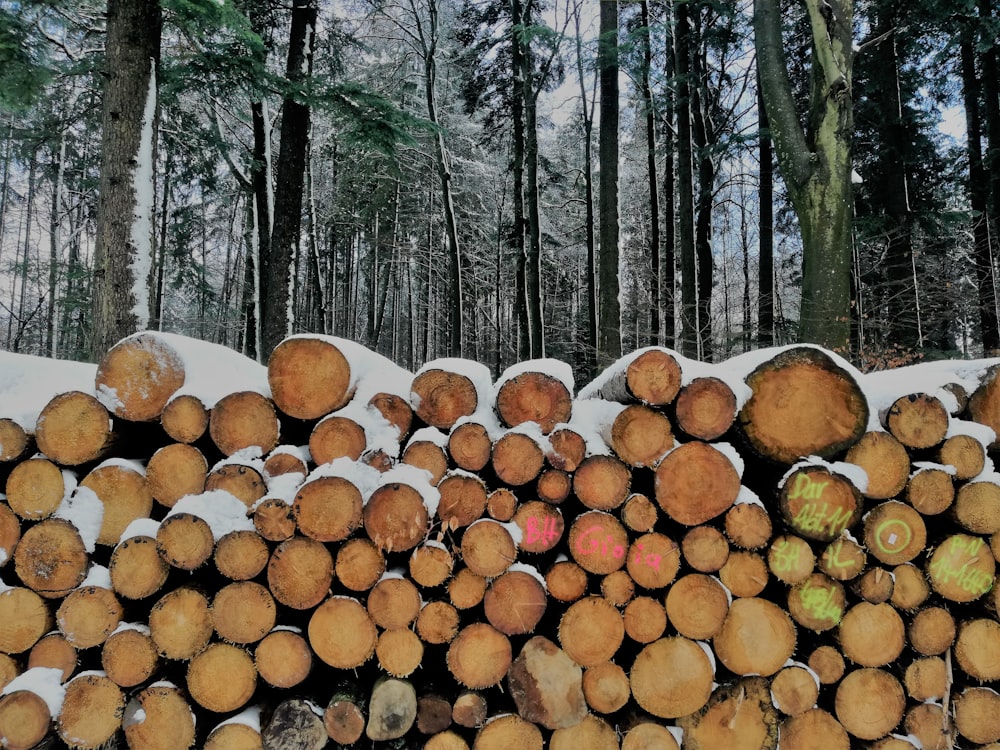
[893,535]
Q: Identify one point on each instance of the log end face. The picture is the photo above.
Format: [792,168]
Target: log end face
[138,375]
[308,377]
[547,686]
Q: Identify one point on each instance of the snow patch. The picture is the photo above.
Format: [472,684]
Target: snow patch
[85,511]
[221,510]
[45,682]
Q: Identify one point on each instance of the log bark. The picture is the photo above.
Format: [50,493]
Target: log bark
[392,710]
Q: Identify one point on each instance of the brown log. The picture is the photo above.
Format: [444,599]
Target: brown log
[431,564]
[705,408]
[653,560]
[884,460]
[744,574]
[238,479]
[396,517]
[977,507]
[602,482]
[515,602]
[283,658]
[10,533]
[394,602]
[618,588]
[965,454]
[652,376]
[24,719]
[286,459]
[91,712]
[88,615]
[345,715]
[55,652]
[185,541]
[927,679]
[894,533]
[593,733]
[466,589]
[463,499]
[819,504]
[392,710]
[640,435]
[337,436]
[645,619]
[872,635]
[553,485]
[244,419]
[568,449]
[803,404]
[843,559]
[817,602]
[932,631]
[34,489]
[327,508]
[814,728]
[962,568]
[740,716]
[757,637]
[541,526]
[795,689]
[546,685]
[917,420]
[697,605]
[977,649]
[598,542]
[591,630]
[159,718]
[869,703]
[479,656]
[931,490]
[748,526]
[470,709]
[243,612]
[487,548]
[137,570]
[14,440]
[51,558]
[929,724]
[284,572]
[790,559]
[533,396]
[180,623]
[395,410]
[671,677]
[705,548]
[695,483]
[638,513]
[274,519]
[566,581]
[234,734]
[977,714]
[910,587]
[174,471]
[184,418]
[342,633]
[875,585]
[606,687]
[221,678]
[433,714]
[427,454]
[506,732]
[241,554]
[125,494]
[129,656]
[441,395]
[828,664]
[309,377]
[74,428]
[447,740]
[501,504]
[469,446]
[360,564]
[295,725]
[647,735]
[984,403]
[517,458]
[399,652]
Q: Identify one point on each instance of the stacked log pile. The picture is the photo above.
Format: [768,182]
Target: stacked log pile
[329,551]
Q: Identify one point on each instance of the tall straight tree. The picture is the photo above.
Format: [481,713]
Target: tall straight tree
[278,297]
[646,39]
[688,343]
[609,344]
[816,161]
[765,235]
[123,242]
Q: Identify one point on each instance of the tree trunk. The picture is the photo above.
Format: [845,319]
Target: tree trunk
[609,345]
[519,64]
[123,244]
[655,333]
[765,234]
[703,142]
[587,115]
[688,343]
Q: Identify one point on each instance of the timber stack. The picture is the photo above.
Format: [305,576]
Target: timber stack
[197,550]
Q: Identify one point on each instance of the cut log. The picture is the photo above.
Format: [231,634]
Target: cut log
[757,637]
[427,454]
[180,623]
[501,504]
[977,507]
[517,458]
[795,689]
[344,715]
[640,435]
[568,449]
[515,602]
[977,649]
[295,725]
[875,585]
[185,418]
[125,494]
[843,559]
[695,483]
[591,630]
[740,716]
[91,712]
[884,460]
[930,726]
[566,581]
[283,658]
[274,519]
[984,404]
[744,574]
[221,678]
[910,587]
[872,635]
[645,619]
[174,471]
[479,656]
[341,633]
[748,526]
[244,419]
[647,735]
[790,559]
[653,560]
[553,486]
[310,376]
[546,685]
[328,508]
[541,526]
[828,664]
[534,396]
[705,408]
[444,391]
[243,612]
[965,454]
[606,687]
[598,542]
[241,554]
[869,703]
[392,710]
[24,619]
[55,652]
[236,734]
[638,513]
[618,588]
[88,615]
[961,569]
[469,446]
[14,440]
[697,605]
[394,602]
[602,482]
[239,480]
[470,709]
[10,533]
[651,376]
[671,677]
[129,657]
[932,631]
[159,718]
[51,558]
[814,728]
[431,564]
[285,569]
[593,733]
[705,548]
[395,410]
[463,499]
[137,570]
[185,541]
[819,504]
[24,719]
[360,564]
[802,404]
[487,548]
[396,518]
[74,428]
[399,652]
[507,731]
[977,714]
[287,459]
[817,603]
[926,679]
[466,589]
[894,533]
[337,436]
[931,490]
[433,714]
[34,489]
[917,420]
[447,740]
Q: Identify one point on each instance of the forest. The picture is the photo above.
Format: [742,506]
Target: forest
[502,179]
